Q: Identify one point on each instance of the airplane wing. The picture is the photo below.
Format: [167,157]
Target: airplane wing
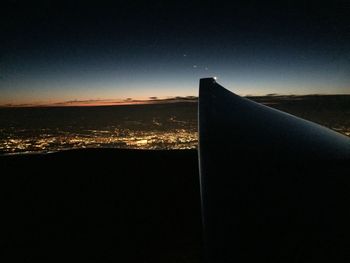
[274,187]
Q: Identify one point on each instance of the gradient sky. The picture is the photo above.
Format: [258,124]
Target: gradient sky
[61,51]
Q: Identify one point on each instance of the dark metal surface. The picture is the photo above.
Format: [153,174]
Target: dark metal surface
[274,187]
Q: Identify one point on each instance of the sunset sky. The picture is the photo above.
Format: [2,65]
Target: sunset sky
[57,52]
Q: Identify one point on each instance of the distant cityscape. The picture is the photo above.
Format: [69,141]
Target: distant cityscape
[155,140]
[155,126]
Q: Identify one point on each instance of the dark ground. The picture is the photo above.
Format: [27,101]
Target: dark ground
[101,205]
[105,205]
[332,111]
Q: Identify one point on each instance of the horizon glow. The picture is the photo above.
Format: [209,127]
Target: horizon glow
[53,54]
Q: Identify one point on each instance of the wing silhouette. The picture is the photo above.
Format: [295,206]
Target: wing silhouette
[274,187]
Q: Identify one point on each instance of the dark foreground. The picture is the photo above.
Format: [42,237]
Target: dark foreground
[101,205]
[105,205]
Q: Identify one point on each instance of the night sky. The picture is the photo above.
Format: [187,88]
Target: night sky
[61,51]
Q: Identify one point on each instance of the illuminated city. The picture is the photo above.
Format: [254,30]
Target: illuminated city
[177,139]
[152,127]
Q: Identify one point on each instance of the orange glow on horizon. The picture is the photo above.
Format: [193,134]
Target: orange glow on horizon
[93,103]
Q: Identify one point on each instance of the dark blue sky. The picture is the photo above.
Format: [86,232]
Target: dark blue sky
[61,51]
